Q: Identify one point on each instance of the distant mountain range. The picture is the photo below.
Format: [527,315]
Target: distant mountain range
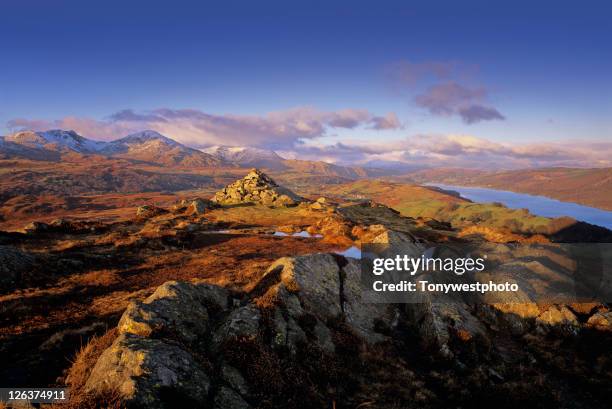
[146,146]
[64,163]
[150,147]
[146,161]
[270,160]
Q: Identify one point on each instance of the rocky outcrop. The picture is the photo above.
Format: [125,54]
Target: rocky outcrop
[141,370]
[334,228]
[195,206]
[437,323]
[326,287]
[305,336]
[62,225]
[175,306]
[323,204]
[148,211]
[256,187]
[175,342]
[152,361]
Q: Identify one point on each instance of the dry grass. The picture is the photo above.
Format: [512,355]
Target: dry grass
[84,361]
[86,357]
[78,374]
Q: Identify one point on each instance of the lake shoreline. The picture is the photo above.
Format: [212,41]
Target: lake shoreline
[537,205]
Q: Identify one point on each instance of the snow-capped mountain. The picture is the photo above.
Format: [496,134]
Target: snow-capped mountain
[146,146]
[55,140]
[151,146]
[247,156]
[12,150]
[141,141]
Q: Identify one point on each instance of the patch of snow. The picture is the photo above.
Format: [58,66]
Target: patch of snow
[303,233]
[242,154]
[58,138]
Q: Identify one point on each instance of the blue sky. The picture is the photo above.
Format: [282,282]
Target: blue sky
[511,73]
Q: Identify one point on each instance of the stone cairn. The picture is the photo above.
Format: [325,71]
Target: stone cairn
[256,187]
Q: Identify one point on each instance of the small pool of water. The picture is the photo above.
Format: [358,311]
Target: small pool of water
[303,233]
[353,252]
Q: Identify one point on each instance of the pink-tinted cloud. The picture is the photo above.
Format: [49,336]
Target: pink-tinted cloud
[197,128]
[389,121]
[460,151]
[101,130]
[297,133]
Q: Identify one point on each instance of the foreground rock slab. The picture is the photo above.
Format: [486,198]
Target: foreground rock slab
[304,337]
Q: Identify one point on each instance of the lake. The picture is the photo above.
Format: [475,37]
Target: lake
[538,205]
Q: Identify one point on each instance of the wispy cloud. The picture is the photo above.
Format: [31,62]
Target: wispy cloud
[297,133]
[279,129]
[460,151]
[411,73]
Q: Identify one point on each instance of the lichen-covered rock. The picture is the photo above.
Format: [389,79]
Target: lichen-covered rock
[304,336]
[195,206]
[305,321]
[287,332]
[242,322]
[177,307]
[145,371]
[328,287]
[153,355]
[440,322]
[256,187]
